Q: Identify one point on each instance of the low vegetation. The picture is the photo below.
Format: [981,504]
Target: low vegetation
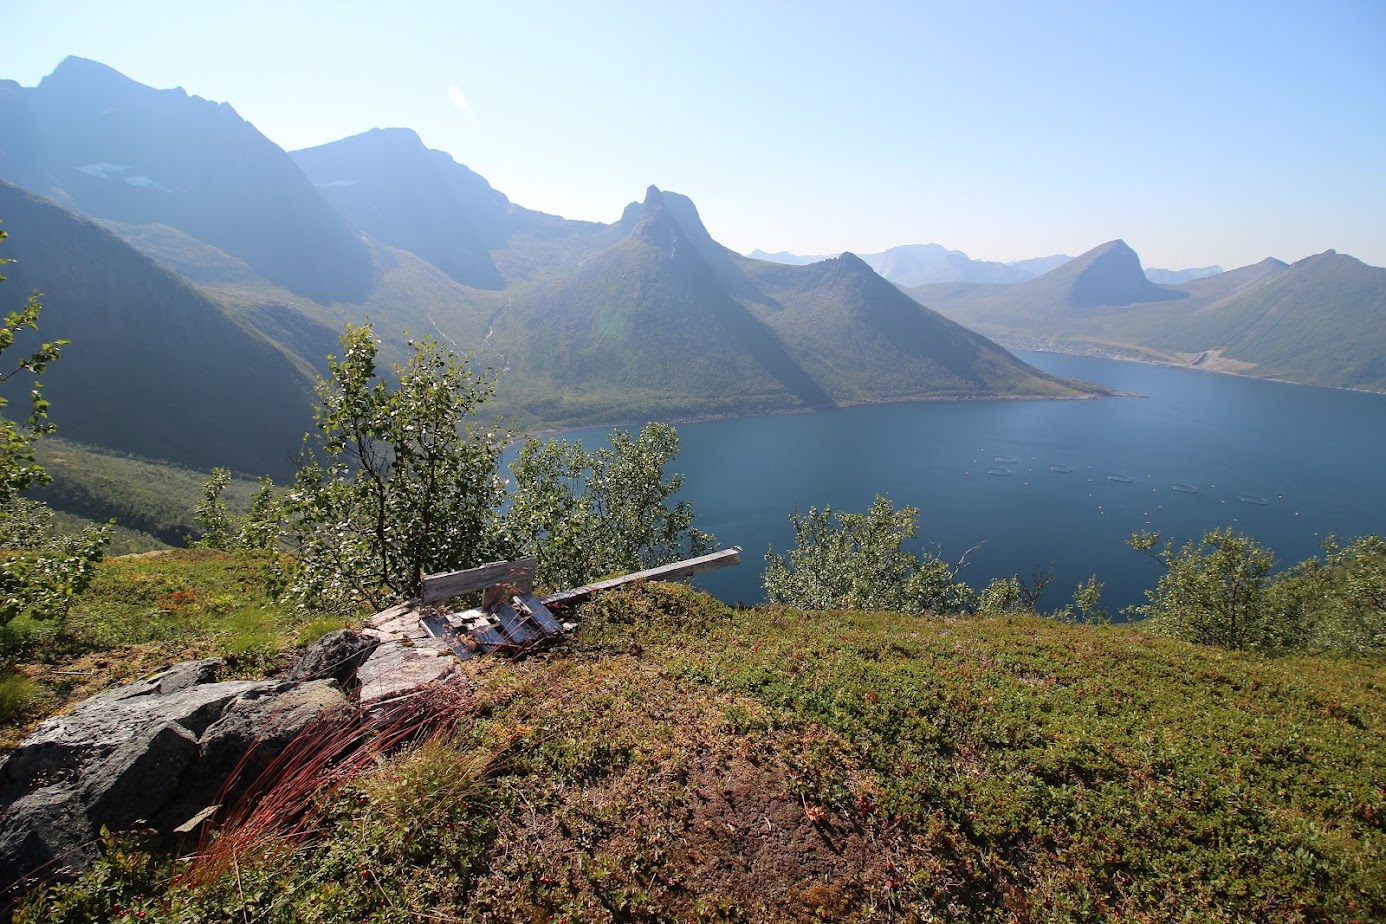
[679,760]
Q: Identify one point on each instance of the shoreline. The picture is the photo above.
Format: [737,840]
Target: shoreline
[548,432]
[1123,354]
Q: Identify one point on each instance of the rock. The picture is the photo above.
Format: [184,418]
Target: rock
[153,752]
[395,669]
[335,656]
[253,731]
[62,747]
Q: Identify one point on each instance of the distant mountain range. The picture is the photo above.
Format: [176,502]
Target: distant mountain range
[1317,321]
[202,274]
[923,264]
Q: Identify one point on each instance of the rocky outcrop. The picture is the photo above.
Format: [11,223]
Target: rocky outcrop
[159,752]
[335,656]
[152,753]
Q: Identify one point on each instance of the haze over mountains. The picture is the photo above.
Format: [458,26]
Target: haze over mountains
[922,264]
[1321,320]
[646,317]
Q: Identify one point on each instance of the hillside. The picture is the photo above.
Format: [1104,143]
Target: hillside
[647,317]
[677,759]
[1317,321]
[666,322]
[93,140]
[155,367]
[390,186]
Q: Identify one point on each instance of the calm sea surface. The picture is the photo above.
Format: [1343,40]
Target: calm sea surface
[1061,483]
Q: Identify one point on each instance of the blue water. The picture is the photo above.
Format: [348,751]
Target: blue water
[1054,483]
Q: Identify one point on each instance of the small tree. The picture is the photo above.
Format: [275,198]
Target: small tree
[39,570]
[857,561]
[1213,592]
[1337,603]
[587,515]
[400,482]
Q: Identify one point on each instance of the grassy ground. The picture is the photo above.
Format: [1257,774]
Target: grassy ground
[678,760]
[144,612]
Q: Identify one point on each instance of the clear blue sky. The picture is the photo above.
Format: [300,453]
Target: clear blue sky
[1210,132]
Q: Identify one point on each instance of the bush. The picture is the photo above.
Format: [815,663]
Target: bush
[586,515]
[39,571]
[856,561]
[401,482]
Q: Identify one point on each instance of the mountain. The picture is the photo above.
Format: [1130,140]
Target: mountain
[666,322]
[1321,320]
[647,317]
[918,264]
[1170,277]
[93,140]
[1108,275]
[785,256]
[922,264]
[155,367]
[389,185]
[1038,266]
[1317,321]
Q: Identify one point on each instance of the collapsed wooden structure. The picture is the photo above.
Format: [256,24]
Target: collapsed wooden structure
[510,617]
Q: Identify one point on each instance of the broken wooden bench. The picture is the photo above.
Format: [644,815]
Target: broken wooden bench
[510,617]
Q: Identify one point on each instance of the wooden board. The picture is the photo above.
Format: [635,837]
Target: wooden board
[679,570]
[440,628]
[540,614]
[519,629]
[489,637]
[455,583]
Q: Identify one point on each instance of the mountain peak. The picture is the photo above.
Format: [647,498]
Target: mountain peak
[75,70]
[1109,274]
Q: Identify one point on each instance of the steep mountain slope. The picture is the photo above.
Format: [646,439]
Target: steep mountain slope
[401,193]
[98,142]
[866,340]
[670,323]
[1108,275]
[1320,321]
[155,367]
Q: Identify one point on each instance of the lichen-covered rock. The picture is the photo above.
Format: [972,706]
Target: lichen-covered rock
[151,752]
[335,656]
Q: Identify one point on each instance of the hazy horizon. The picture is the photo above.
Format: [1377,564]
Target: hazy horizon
[1199,135]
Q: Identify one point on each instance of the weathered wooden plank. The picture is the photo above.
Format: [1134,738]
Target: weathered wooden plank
[439,627]
[489,637]
[689,567]
[455,583]
[540,614]
[516,627]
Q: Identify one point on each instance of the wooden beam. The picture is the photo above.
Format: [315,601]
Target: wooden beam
[455,583]
[687,568]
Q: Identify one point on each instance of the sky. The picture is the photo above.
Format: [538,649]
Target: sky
[1200,133]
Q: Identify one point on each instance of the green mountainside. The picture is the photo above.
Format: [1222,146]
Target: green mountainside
[644,318]
[667,322]
[1318,321]
[155,367]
